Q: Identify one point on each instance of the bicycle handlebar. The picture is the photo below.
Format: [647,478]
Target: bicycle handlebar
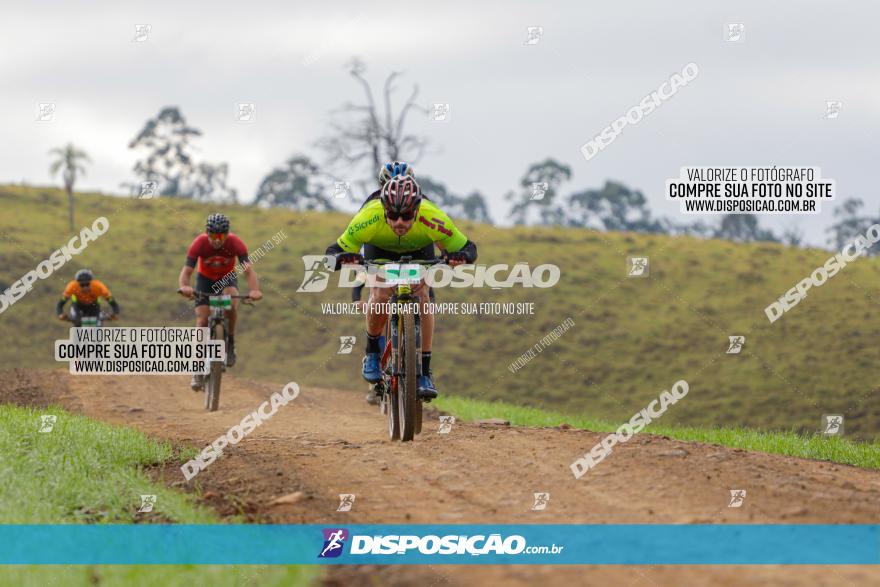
[102,315]
[403,261]
[197,293]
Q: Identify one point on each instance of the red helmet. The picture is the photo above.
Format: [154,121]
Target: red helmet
[401,196]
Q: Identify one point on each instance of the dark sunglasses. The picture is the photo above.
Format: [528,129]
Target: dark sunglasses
[394,216]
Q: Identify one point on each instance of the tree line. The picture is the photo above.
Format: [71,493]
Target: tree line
[364,133]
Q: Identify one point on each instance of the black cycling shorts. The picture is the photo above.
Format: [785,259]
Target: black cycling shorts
[209,286]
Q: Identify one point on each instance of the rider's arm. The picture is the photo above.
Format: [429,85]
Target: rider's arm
[251,276]
[239,249]
[192,257]
[186,273]
[69,291]
[468,251]
[102,291]
[453,240]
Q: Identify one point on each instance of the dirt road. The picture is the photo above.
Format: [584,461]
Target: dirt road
[328,442]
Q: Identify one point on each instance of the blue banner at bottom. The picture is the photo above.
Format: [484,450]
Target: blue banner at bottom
[648,544]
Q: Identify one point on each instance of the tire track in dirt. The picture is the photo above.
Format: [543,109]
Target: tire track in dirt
[328,442]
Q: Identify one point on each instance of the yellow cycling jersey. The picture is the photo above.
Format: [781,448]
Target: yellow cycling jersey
[431,225]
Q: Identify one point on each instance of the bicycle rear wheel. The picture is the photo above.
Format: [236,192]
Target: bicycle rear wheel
[212,388]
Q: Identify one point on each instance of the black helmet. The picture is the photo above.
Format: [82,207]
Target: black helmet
[84,276]
[394,169]
[217,223]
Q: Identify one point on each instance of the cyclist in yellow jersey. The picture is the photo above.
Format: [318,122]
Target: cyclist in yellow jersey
[394,222]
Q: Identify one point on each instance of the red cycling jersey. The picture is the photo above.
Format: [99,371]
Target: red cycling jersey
[216,263]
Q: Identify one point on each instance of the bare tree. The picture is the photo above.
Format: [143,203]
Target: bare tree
[363,134]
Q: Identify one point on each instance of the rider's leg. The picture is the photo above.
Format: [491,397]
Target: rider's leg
[203,286]
[427,320]
[376,318]
[202,314]
[376,314]
[426,384]
[75,314]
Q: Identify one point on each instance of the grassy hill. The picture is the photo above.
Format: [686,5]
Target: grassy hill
[631,338]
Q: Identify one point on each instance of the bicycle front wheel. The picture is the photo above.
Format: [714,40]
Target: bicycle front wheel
[212,389]
[407,399]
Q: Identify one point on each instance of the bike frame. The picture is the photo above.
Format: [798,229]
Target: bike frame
[219,316]
[403,296]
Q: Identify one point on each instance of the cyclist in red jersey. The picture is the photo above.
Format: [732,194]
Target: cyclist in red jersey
[215,252]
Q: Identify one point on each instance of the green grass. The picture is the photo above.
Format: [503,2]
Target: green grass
[834,449]
[164,575]
[85,471]
[631,338]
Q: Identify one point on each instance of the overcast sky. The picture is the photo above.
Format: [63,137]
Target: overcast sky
[760,101]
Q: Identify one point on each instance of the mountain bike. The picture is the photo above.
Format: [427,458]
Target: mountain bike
[401,359]
[218,327]
[91,321]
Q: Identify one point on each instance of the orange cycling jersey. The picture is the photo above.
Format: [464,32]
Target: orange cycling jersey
[90,296]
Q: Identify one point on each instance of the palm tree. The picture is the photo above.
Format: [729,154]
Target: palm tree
[70,158]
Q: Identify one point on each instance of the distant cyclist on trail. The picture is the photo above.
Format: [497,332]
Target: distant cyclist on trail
[85,292]
[398,221]
[215,252]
